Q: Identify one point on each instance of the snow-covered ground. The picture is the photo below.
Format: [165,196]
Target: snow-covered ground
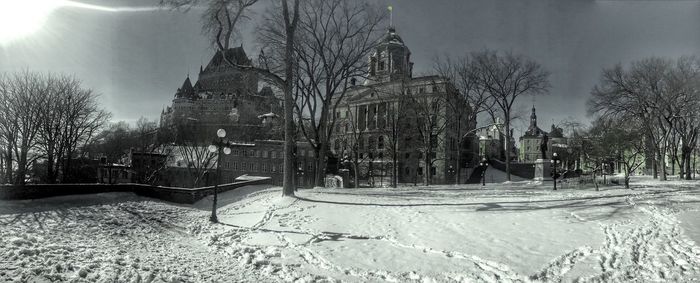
[518,231]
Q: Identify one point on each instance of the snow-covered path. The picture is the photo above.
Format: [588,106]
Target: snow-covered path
[517,232]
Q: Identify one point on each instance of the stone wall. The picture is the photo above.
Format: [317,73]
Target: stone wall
[172,194]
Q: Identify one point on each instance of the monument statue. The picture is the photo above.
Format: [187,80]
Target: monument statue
[543,146]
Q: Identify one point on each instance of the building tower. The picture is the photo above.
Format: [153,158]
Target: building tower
[391,60]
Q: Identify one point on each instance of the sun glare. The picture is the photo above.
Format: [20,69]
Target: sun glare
[20,18]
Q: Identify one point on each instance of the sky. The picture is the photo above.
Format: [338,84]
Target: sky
[136,57]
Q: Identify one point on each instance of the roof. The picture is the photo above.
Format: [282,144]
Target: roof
[391,37]
[186,89]
[236,55]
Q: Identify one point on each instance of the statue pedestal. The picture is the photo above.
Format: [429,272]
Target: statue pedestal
[543,170]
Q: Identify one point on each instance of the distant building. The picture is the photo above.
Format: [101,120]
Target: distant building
[147,167]
[224,96]
[265,158]
[492,142]
[363,121]
[531,141]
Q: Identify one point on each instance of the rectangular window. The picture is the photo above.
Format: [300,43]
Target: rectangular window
[433,171]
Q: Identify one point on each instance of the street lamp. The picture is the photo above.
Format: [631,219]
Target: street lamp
[300,175]
[484,164]
[220,147]
[605,171]
[451,171]
[555,160]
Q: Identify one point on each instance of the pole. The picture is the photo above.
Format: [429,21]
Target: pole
[213,217]
[483,176]
[554,175]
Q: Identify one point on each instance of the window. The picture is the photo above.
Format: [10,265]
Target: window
[433,171]
[408,171]
[407,156]
[273,154]
[264,154]
[381,65]
[380,142]
[421,90]
[420,170]
[435,88]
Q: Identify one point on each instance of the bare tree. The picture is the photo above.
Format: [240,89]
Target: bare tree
[620,139]
[396,128]
[220,19]
[462,74]
[20,94]
[661,93]
[332,42]
[505,77]
[431,113]
[353,142]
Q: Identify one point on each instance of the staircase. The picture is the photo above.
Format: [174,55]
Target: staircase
[475,177]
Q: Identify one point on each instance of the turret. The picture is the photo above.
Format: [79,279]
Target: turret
[391,59]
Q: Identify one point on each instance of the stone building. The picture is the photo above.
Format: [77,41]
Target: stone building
[390,108]
[224,96]
[266,158]
[531,141]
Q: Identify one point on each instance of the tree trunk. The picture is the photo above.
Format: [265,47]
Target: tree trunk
[507,145]
[320,169]
[8,165]
[459,151]
[288,183]
[357,174]
[662,165]
[595,182]
[687,152]
[395,171]
[655,167]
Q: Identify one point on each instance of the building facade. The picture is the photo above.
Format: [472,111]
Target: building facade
[395,123]
[224,96]
[531,142]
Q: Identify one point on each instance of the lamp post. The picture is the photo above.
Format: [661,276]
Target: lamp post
[220,147]
[484,164]
[605,172]
[555,160]
[300,175]
[451,171]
